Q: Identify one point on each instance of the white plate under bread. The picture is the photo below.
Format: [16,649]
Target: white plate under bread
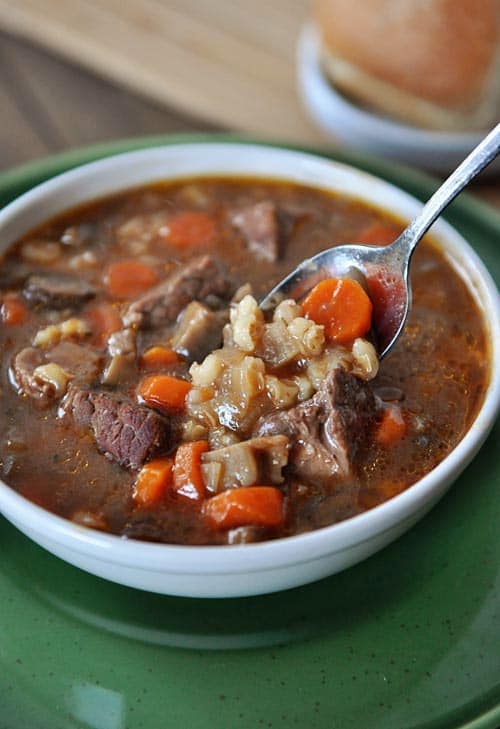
[344,121]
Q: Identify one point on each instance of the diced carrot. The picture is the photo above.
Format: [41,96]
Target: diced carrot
[245,506]
[392,427]
[126,279]
[158,357]
[164,392]
[153,480]
[104,319]
[379,233]
[342,306]
[13,311]
[188,478]
[190,229]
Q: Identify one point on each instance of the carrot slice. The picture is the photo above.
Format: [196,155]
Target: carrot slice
[379,233]
[153,480]
[126,279]
[13,311]
[188,478]
[103,319]
[190,229]
[342,306]
[164,392]
[392,428]
[158,357]
[244,506]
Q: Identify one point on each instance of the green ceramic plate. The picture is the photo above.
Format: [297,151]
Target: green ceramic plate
[409,638]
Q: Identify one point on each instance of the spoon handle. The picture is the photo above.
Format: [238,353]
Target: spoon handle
[478,159]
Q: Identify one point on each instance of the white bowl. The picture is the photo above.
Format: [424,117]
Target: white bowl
[220,571]
[340,118]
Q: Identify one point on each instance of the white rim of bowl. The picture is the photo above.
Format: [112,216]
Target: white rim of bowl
[285,551]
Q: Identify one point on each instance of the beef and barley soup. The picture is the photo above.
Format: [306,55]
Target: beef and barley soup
[145,393]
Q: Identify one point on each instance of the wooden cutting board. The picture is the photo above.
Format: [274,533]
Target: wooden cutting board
[231,62]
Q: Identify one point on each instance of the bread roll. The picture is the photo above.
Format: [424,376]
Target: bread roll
[430,63]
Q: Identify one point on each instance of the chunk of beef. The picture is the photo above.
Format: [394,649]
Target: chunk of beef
[259,225]
[148,528]
[78,404]
[164,525]
[198,331]
[80,364]
[258,460]
[326,431]
[124,431]
[197,280]
[22,375]
[57,290]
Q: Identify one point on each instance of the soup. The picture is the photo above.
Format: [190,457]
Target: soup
[145,394]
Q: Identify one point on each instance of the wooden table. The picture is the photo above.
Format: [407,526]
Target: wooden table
[48,104]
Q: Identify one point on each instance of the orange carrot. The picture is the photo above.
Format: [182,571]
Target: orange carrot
[379,233]
[191,228]
[126,279]
[153,480]
[188,478]
[13,311]
[342,306]
[392,427]
[104,319]
[164,392]
[157,357]
[247,505]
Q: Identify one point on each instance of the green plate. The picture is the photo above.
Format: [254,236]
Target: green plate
[408,638]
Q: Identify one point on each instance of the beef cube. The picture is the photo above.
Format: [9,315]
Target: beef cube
[197,280]
[124,431]
[259,225]
[22,375]
[147,528]
[164,525]
[198,331]
[326,431]
[78,404]
[80,364]
[83,363]
[57,290]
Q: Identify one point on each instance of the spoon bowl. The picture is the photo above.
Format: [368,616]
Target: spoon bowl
[384,270]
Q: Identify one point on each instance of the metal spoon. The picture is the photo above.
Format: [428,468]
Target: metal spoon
[383,270]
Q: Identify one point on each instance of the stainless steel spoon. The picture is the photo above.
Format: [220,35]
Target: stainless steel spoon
[383,270]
